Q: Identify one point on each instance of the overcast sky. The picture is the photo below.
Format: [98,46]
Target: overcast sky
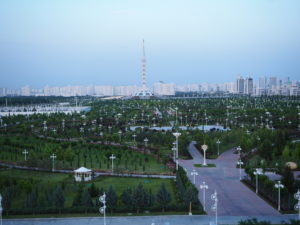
[76,42]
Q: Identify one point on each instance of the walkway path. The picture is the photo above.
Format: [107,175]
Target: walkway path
[143,220]
[96,173]
[235,199]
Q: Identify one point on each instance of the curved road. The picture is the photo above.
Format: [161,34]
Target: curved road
[235,199]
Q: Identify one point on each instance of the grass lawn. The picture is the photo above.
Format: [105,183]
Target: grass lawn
[34,175]
[88,155]
[208,165]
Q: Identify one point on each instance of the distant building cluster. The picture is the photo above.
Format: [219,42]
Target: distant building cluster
[267,86]
[247,86]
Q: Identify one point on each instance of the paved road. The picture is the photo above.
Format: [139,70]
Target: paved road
[235,199]
[143,220]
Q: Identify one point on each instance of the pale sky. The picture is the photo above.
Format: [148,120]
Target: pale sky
[76,42]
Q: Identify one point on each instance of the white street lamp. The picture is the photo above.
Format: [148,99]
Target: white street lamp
[63,124]
[146,142]
[279,186]
[174,154]
[256,173]
[176,115]
[218,143]
[53,157]
[112,158]
[134,136]
[240,163]
[120,135]
[204,187]
[239,149]
[176,134]
[214,207]
[25,152]
[204,148]
[297,206]
[102,209]
[194,173]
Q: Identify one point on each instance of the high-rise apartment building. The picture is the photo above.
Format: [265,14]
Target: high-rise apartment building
[262,86]
[249,86]
[240,85]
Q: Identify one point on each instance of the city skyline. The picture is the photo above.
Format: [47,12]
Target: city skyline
[242,85]
[76,43]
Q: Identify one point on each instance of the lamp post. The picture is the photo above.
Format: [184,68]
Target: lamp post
[63,124]
[239,149]
[279,186]
[218,143]
[176,115]
[146,142]
[177,134]
[174,154]
[112,158]
[120,135]
[25,152]
[203,187]
[134,136]
[53,157]
[102,209]
[194,173]
[214,207]
[256,173]
[297,206]
[204,148]
[240,163]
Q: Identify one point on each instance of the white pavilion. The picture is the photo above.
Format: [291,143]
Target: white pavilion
[83,174]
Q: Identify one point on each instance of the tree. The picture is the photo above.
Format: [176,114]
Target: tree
[286,153]
[93,190]
[7,197]
[59,199]
[139,198]
[111,198]
[32,200]
[86,200]
[288,179]
[163,197]
[77,198]
[127,197]
[190,195]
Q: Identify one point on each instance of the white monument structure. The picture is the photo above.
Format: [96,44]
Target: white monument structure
[144,91]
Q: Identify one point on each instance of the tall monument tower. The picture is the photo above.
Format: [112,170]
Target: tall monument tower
[144,92]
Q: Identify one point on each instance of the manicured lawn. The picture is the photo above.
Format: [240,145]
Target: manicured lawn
[43,177]
[208,165]
[75,155]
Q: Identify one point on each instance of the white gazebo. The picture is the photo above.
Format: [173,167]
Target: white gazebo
[83,174]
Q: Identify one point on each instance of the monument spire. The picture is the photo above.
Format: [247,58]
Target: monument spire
[144,73]
[143,92]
